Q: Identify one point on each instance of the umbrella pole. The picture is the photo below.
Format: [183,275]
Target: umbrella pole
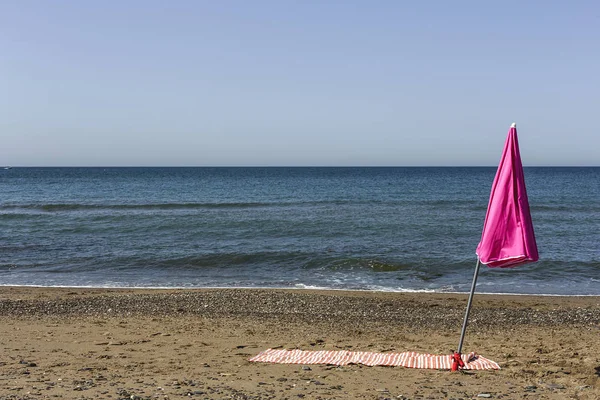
[464,327]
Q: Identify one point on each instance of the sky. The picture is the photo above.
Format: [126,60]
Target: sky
[298,83]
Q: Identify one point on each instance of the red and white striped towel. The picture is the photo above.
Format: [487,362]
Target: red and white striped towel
[408,359]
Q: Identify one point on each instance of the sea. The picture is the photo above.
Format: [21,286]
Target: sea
[396,229]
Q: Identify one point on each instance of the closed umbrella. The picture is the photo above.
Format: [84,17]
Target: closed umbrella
[508,238]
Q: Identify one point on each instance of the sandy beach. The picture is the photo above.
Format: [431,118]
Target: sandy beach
[169,344]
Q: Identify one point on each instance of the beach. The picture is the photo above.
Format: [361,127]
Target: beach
[168,344]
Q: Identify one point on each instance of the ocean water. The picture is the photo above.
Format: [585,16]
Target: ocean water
[384,229]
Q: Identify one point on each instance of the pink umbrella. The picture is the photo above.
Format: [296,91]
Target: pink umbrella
[508,238]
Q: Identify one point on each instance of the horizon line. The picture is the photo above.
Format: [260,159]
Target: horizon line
[288,166]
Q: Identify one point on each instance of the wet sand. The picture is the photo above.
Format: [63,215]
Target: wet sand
[169,344]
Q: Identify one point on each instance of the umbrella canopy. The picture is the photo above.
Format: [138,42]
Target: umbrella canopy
[508,238]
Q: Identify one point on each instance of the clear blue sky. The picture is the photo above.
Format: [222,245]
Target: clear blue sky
[298,82]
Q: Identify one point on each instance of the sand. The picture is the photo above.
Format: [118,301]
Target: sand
[171,344]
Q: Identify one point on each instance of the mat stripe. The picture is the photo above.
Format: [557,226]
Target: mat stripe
[408,359]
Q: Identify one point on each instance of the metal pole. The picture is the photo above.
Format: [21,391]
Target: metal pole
[464,327]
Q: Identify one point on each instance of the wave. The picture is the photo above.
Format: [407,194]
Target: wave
[567,207]
[281,260]
[57,207]
[10,209]
[60,207]
[214,260]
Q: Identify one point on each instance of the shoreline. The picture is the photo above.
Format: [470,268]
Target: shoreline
[151,343]
[315,289]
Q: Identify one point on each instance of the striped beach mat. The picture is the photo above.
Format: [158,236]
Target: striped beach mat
[408,359]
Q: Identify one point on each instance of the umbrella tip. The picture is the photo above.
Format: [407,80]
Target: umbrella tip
[513,125]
